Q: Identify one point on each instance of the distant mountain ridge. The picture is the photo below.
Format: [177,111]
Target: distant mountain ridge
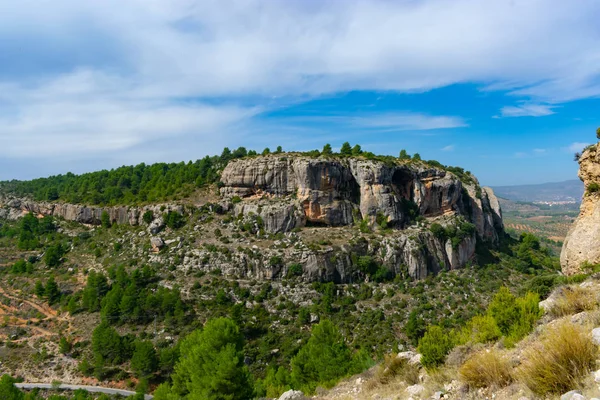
[571,190]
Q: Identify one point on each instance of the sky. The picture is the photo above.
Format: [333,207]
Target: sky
[508,89]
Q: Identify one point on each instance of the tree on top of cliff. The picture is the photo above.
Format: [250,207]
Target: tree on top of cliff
[404,155]
[356,150]
[346,149]
[327,151]
[598,133]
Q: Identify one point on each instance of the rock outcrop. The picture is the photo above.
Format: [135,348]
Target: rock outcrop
[582,244]
[14,208]
[278,194]
[338,192]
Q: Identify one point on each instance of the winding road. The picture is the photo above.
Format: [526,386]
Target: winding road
[92,389]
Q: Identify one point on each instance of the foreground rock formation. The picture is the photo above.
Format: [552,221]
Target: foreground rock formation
[582,244]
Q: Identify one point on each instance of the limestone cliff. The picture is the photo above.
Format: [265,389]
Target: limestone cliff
[582,244]
[278,194]
[291,192]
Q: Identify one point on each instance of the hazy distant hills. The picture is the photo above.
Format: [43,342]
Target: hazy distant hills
[571,190]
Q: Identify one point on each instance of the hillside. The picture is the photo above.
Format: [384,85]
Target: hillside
[280,244]
[570,191]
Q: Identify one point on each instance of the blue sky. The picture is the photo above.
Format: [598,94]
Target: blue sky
[508,89]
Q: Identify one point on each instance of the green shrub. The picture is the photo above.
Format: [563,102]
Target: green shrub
[593,187]
[148,216]
[434,346]
[324,359]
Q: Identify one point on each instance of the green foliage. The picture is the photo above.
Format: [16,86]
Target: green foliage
[503,309]
[108,347]
[327,151]
[212,365]
[346,149]
[294,270]
[8,390]
[51,291]
[64,346]
[105,220]
[593,187]
[174,220]
[404,155]
[53,255]
[415,328]
[266,151]
[148,216]
[598,133]
[416,157]
[324,359]
[31,229]
[144,360]
[356,150]
[480,329]
[39,289]
[434,346]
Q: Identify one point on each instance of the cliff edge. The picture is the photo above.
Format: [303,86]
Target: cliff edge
[582,244]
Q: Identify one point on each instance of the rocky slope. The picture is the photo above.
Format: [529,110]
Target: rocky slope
[582,244]
[281,194]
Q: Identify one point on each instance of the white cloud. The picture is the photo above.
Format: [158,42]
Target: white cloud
[399,121]
[450,147]
[539,151]
[527,110]
[576,146]
[91,77]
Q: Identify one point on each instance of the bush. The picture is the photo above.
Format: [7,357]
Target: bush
[394,367]
[148,216]
[480,329]
[324,359]
[561,360]
[174,220]
[486,368]
[593,187]
[573,300]
[434,346]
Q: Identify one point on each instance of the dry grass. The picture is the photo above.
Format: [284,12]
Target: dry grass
[486,368]
[559,362]
[574,300]
[394,368]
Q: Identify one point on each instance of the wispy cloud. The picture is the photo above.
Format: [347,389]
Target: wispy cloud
[540,151]
[527,110]
[450,147]
[398,121]
[576,146]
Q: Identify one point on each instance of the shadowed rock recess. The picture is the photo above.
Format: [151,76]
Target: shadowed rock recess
[399,201]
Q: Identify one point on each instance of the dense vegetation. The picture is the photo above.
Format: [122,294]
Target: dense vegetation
[171,181]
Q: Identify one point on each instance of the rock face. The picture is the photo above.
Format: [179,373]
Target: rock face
[338,192]
[13,208]
[582,243]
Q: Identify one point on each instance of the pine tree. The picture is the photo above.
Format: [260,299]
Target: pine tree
[212,365]
[356,150]
[144,360]
[346,150]
[51,291]
[323,359]
[327,151]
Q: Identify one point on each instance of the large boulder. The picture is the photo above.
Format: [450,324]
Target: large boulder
[582,244]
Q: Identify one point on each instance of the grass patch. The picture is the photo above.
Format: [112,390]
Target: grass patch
[573,300]
[394,367]
[560,361]
[486,368]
